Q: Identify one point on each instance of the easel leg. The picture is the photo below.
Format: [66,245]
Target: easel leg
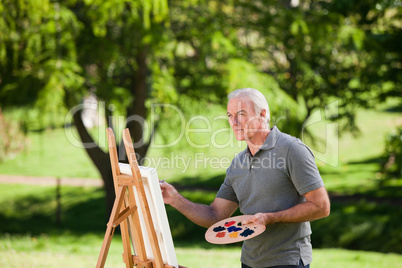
[110,228]
[135,228]
[127,256]
[105,246]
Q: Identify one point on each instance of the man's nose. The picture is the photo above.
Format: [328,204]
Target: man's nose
[235,120]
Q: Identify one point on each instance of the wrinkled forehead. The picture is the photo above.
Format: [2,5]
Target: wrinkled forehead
[240,104]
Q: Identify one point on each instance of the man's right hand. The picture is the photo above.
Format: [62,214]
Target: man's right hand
[200,214]
[169,193]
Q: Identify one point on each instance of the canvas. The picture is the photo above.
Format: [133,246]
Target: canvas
[158,213]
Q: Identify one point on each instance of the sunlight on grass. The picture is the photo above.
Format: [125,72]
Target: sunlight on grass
[200,258]
[367,144]
[50,154]
[82,251]
[340,258]
[60,251]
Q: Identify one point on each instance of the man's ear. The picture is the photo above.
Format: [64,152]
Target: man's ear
[263,113]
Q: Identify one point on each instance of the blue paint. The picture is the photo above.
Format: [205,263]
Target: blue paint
[234,229]
[247,232]
[218,229]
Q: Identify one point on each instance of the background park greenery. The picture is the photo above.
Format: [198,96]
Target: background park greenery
[331,71]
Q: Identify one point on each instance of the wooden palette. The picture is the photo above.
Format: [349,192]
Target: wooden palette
[231,230]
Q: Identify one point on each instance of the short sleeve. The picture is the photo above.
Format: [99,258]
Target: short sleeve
[226,191]
[302,168]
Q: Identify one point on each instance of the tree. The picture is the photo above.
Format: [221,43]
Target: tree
[128,37]
[214,56]
[320,51]
[302,55]
[37,63]
[53,52]
[134,53]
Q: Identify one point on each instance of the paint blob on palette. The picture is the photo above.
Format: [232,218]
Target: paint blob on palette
[232,230]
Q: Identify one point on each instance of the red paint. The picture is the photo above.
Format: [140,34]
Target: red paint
[220,234]
[230,223]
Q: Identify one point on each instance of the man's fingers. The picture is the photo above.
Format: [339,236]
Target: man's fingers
[249,220]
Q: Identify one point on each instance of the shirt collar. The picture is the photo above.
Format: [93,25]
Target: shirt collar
[270,141]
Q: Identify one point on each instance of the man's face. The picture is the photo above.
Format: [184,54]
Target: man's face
[242,118]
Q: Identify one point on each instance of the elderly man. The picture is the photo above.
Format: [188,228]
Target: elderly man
[275,179]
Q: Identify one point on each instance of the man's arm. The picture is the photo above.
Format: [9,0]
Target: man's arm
[317,206]
[200,214]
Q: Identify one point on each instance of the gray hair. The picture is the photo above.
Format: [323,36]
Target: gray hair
[260,103]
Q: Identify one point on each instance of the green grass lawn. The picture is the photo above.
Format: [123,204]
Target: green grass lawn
[50,153]
[82,251]
[30,234]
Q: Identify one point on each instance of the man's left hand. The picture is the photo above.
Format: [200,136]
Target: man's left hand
[261,218]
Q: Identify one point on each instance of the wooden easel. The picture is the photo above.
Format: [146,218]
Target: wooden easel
[125,213]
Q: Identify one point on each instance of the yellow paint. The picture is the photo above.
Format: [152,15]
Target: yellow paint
[234,234]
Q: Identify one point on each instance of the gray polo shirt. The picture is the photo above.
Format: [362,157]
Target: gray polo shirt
[274,179]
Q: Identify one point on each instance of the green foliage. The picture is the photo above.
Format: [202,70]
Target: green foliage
[51,52]
[205,39]
[301,56]
[102,13]
[37,59]
[321,50]
[243,74]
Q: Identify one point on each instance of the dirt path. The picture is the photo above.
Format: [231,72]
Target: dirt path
[15,179]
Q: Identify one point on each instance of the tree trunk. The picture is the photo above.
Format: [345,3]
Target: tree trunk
[99,158]
[139,109]
[136,116]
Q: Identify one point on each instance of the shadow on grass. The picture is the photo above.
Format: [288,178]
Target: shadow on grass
[374,164]
[394,109]
[364,179]
[82,211]
[210,184]
[365,209]
[360,225]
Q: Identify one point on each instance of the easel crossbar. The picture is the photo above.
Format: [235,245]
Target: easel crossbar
[124,214]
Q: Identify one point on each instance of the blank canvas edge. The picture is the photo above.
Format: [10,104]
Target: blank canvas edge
[150,174]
